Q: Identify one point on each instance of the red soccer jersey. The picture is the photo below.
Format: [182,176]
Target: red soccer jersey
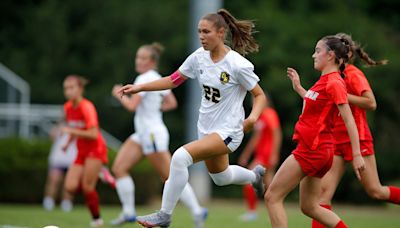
[356,84]
[315,124]
[84,116]
[266,124]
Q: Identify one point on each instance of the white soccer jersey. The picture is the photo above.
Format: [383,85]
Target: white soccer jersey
[224,86]
[148,116]
[59,158]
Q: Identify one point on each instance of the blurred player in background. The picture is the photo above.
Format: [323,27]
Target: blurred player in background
[83,125]
[151,137]
[225,77]
[60,159]
[265,143]
[313,156]
[361,99]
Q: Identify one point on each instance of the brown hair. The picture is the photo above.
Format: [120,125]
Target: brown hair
[241,31]
[356,48]
[82,82]
[341,49]
[156,49]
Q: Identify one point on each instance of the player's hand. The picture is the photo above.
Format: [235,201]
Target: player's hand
[115,90]
[128,89]
[248,124]
[358,165]
[65,147]
[66,130]
[294,77]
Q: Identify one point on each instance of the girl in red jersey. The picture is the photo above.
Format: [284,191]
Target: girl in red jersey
[361,99]
[313,155]
[266,143]
[81,117]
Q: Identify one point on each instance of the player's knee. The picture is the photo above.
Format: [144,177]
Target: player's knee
[181,158]
[222,178]
[309,209]
[70,187]
[269,197]
[86,187]
[117,170]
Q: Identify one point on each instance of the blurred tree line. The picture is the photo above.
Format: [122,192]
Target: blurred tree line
[45,40]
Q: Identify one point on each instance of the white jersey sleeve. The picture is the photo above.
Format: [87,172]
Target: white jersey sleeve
[246,76]
[190,65]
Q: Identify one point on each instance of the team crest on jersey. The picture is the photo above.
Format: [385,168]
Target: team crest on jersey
[224,77]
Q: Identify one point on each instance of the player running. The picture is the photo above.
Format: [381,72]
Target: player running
[82,124]
[313,156]
[151,137]
[225,76]
[361,99]
[265,143]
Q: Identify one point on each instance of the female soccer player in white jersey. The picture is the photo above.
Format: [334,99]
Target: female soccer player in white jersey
[225,77]
[151,139]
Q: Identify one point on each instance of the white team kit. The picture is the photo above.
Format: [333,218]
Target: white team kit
[150,130]
[59,158]
[224,86]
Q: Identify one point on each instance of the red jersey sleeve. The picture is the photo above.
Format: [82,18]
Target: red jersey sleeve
[359,84]
[90,115]
[336,90]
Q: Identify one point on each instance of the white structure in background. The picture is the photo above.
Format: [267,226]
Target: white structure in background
[18,117]
[17,93]
[199,177]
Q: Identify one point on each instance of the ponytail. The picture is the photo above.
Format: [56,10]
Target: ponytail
[241,31]
[341,47]
[356,48]
[155,49]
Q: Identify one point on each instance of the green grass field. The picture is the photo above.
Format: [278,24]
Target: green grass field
[222,214]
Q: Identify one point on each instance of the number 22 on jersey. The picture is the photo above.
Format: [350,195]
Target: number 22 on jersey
[212,94]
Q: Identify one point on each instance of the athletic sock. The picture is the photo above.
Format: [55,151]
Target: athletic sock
[92,202]
[126,193]
[315,223]
[189,199]
[341,225]
[250,197]
[394,196]
[234,174]
[177,180]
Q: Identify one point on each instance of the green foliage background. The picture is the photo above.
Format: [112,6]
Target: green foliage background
[45,40]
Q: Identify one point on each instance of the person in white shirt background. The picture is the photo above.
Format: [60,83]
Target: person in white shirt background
[151,137]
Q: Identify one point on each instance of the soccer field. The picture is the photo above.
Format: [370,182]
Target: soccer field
[222,214]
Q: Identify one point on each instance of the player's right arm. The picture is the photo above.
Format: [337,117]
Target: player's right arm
[130,103]
[295,78]
[169,102]
[169,82]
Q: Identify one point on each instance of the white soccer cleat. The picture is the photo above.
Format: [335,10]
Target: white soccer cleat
[248,217]
[158,219]
[258,184]
[122,219]
[66,205]
[97,222]
[200,218]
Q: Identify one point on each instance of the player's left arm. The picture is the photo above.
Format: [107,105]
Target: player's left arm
[259,103]
[90,133]
[169,102]
[365,101]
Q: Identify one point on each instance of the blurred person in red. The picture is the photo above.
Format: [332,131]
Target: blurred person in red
[83,125]
[265,143]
